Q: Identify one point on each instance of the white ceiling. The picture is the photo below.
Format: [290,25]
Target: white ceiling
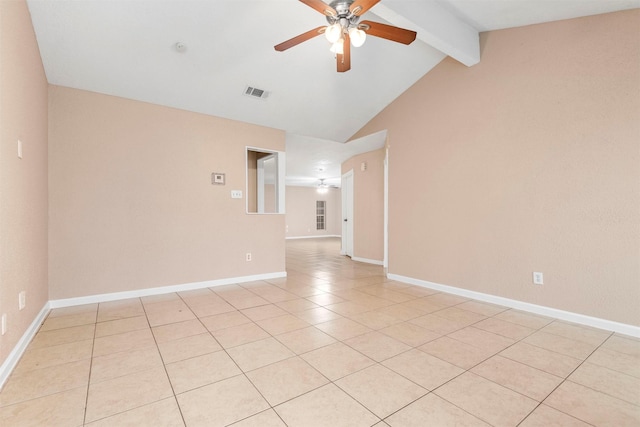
[126,48]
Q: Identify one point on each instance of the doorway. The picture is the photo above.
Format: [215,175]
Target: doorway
[347,214]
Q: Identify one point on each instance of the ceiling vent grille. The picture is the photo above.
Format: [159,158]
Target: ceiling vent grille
[254,92]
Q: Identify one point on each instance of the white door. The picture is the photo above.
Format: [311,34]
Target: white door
[347,214]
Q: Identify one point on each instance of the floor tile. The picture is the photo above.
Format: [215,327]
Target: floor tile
[184,348]
[163,317]
[284,380]
[440,325]
[282,324]
[198,371]
[45,381]
[624,345]
[540,358]
[580,333]
[304,340]
[380,389]
[518,377]
[239,335]
[124,363]
[342,329]
[55,355]
[621,362]
[122,309]
[65,409]
[377,346]
[163,413]
[68,321]
[432,410]
[266,418]
[212,309]
[325,299]
[263,312]
[374,319]
[614,383]
[558,344]
[455,352]
[337,360]
[224,320]
[482,339]
[75,309]
[127,341]
[174,331]
[121,394]
[592,406]
[62,336]
[221,403]
[113,327]
[401,312]
[486,400]
[504,328]
[410,333]
[529,320]
[259,353]
[310,410]
[483,308]
[423,369]
[545,416]
[317,315]
[296,305]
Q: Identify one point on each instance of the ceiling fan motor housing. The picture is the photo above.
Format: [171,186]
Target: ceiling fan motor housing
[345,17]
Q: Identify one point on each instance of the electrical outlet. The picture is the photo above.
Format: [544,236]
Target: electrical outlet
[537,278]
[248,256]
[4,324]
[22,300]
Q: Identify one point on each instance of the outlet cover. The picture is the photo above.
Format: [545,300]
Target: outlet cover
[22,300]
[4,324]
[248,256]
[538,278]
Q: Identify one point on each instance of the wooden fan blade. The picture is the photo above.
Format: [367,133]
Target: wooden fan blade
[321,7]
[299,39]
[359,7]
[388,32]
[344,60]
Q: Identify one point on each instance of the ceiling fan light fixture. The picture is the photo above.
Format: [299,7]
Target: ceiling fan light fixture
[357,36]
[338,47]
[333,33]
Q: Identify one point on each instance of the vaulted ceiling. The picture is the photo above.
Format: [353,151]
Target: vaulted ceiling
[127,48]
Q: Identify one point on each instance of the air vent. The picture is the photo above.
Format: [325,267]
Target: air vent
[256,93]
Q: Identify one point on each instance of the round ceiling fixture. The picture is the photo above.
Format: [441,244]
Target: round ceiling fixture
[181,47]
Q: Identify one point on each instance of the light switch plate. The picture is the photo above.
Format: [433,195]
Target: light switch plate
[236,194]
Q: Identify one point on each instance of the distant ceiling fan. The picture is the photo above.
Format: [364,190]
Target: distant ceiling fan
[344,30]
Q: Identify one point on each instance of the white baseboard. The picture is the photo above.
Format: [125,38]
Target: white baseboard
[14,357]
[582,319]
[367,260]
[92,299]
[312,237]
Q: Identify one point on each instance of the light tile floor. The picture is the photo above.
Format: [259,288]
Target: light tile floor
[333,344]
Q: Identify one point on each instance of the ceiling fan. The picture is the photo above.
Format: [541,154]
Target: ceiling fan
[344,29]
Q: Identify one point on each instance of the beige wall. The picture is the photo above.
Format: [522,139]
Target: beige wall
[528,161]
[301,212]
[23,182]
[368,204]
[131,200]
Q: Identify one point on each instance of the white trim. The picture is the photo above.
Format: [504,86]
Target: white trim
[367,260]
[92,299]
[313,237]
[582,319]
[385,257]
[12,360]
